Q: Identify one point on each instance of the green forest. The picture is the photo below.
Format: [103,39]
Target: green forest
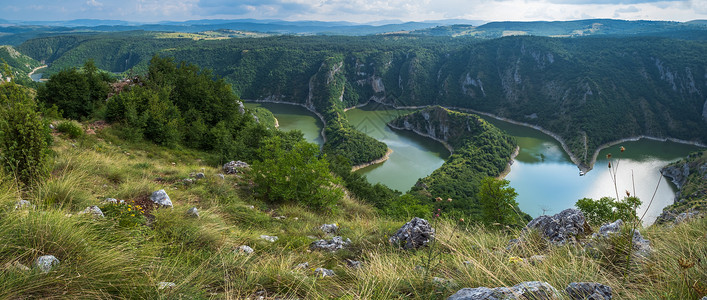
[587,90]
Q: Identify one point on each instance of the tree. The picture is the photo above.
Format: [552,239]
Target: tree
[295,173]
[24,135]
[498,204]
[77,93]
[607,209]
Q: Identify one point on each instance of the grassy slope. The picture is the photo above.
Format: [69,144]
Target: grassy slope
[101,260]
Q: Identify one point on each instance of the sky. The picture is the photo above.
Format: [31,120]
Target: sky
[359,11]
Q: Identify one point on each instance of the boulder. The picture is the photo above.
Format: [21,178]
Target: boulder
[561,228]
[414,234]
[608,228]
[113,201]
[535,290]
[235,167]
[536,259]
[332,245]
[268,238]
[199,175]
[322,272]
[161,198]
[221,176]
[193,212]
[588,291]
[683,217]
[329,228]
[45,263]
[93,211]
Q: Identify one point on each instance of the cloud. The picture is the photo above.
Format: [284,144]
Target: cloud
[611,1]
[630,9]
[94,3]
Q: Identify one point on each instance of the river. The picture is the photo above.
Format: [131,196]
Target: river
[543,175]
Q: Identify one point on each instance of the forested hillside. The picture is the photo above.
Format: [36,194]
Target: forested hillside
[479,150]
[588,91]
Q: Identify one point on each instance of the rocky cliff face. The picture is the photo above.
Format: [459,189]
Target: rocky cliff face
[690,177]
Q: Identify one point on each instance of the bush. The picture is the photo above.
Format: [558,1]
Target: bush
[24,135]
[71,128]
[607,209]
[295,174]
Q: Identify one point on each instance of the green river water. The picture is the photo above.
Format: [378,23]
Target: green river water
[543,175]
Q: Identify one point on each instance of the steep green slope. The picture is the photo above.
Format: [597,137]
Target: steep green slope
[587,91]
[20,65]
[479,150]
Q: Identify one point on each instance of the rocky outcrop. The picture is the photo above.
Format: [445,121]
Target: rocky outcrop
[235,167]
[641,246]
[562,228]
[690,177]
[329,228]
[535,290]
[414,234]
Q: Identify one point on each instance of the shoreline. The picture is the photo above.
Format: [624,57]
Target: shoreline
[373,162]
[445,144]
[35,70]
[510,163]
[575,160]
[321,118]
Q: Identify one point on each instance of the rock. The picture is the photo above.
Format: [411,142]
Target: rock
[161,198]
[199,175]
[329,228]
[193,212]
[221,176]
[113,201]
[608,228]
[588,290]
[166,285]
[536,259]
[683,217]
[414,234]
[561,228]
[280,218]
[641,246]
[16,266]
[21,204]
[443,282]
[334,244]
[512,243]
[46,263]
[93,211]
[324,272]
[354,264]
[245,249]
[188,181]
[235,167]
[304,266]
[51,126]
[268,238]
[535,290]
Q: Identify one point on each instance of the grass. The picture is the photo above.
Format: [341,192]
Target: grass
[100,259]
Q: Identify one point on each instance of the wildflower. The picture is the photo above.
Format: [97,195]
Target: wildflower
[439,209]
[129,209]
[461,220]
[608,156]
[449,199]
[609,165]
[438,199]
[623,149]
[628,194]
[436,215]
[132,215]
[515,259]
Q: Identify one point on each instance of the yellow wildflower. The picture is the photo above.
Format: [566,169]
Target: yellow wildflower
[515,259]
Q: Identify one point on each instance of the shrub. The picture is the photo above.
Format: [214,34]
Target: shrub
[607,209]
[295,174]
[127,214]
[71,128]
[24,135]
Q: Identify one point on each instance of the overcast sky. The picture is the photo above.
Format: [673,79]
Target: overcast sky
[353,10]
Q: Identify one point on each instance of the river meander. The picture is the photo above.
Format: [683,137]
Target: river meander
[543,175]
